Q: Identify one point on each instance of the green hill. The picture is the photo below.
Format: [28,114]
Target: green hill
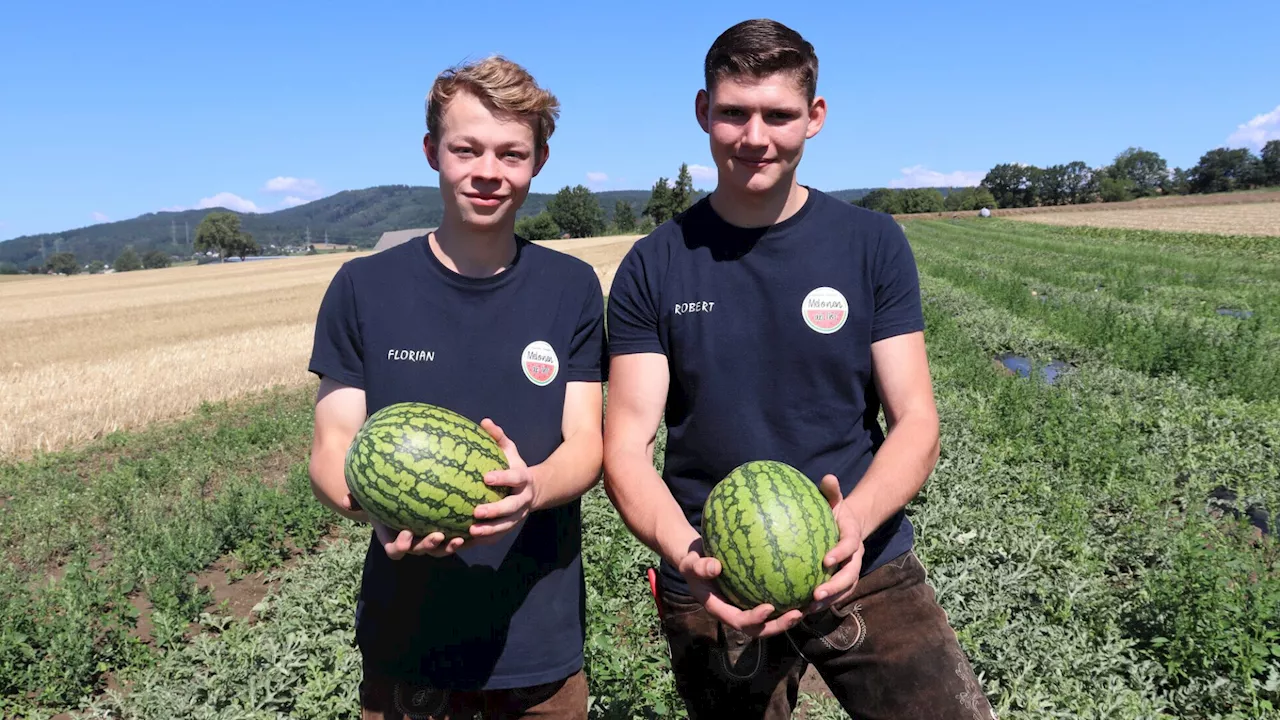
[351,216]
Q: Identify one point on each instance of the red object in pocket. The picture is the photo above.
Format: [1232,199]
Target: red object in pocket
[653,590]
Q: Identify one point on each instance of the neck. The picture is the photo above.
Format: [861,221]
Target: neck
[473,252]
[752,210]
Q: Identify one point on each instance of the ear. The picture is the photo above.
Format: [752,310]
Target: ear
[817,116]
[542,159]
[702,108]
[432,151]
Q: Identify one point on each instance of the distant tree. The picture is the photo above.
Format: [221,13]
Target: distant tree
[1011,184]
[659,207]
[156,259]
[8,268]
[127,261]
[969,198]
[221,231]
[1145,170]
[538,227]
[34,269]
[97,267]
[1223,170]
[646,225]
[624,217]
[1115,189]
[1179,182]
[63,262]
[577,212]
[1271,163]
[682,191]
[1050,186]
[922,200]
[1077,182]
[882,200]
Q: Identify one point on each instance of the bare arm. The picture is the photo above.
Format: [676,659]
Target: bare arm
[637,394]
[911,447]
[340,411]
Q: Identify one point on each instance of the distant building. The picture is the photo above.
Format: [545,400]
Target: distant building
[392,238]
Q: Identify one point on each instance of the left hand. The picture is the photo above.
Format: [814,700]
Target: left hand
[494,519]
[847,552]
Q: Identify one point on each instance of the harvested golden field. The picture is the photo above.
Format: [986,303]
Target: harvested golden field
[1236,219]
[87,355]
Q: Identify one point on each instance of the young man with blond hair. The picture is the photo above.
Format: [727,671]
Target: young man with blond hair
[808,321]
[509,334]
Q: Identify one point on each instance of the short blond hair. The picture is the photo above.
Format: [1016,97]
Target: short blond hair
[505,87]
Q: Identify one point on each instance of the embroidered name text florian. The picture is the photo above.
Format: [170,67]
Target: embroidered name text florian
[412,355]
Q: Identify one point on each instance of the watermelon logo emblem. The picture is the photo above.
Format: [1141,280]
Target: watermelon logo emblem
[539,363]
[825,310]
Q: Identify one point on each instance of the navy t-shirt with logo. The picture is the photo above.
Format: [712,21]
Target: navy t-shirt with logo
[403,327]
[767,334]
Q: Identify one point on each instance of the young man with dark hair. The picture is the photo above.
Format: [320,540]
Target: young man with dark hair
[806,321]
[474,319]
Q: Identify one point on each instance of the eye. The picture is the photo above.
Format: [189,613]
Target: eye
[463,150]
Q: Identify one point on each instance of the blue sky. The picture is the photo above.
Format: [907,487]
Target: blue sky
[110,110]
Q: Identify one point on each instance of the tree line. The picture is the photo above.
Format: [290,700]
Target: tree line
[575,211]
[1134,173]
[218,231]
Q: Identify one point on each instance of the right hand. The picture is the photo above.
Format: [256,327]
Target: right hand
[700,572]
[403,543]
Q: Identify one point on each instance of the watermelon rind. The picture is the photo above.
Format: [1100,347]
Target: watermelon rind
[769,526]
[420,467]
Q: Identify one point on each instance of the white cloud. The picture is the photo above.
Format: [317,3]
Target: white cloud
[597,177]
[918,176]
[231,201]
[298,187]
[702,172]
[291,201]
[99,217]
[1257,131]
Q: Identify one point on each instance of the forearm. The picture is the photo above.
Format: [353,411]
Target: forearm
[329,482]
[569,472]
[646,505]
[898,472]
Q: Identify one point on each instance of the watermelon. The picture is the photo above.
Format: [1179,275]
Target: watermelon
[418,467]
[770,527]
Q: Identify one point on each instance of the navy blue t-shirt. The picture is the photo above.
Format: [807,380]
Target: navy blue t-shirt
[403,327]
[767,334]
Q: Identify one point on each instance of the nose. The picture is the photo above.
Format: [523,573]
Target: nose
[755,132]
[487,167]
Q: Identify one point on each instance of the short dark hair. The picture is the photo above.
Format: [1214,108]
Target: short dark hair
[758,48]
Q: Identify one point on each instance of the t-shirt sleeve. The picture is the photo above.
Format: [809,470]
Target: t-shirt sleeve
[897,286]
[337,350]
[587,351]
[633,307]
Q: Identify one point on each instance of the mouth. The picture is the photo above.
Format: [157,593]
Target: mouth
[754,163]
[484,200]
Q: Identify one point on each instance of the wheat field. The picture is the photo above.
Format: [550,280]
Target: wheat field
[1261,218]
[83,356]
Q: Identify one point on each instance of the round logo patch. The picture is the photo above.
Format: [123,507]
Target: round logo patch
[539,363]
[825,310]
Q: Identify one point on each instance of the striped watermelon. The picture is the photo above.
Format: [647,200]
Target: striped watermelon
[421,467]
[769,526]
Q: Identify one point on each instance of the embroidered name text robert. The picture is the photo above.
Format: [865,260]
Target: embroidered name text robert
[694,307]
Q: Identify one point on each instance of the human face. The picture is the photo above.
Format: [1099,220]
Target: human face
[758,127]
[486,163]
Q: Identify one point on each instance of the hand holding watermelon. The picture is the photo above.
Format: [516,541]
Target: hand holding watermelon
[397,545]
[495,518]
[701,573]
[846,553]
